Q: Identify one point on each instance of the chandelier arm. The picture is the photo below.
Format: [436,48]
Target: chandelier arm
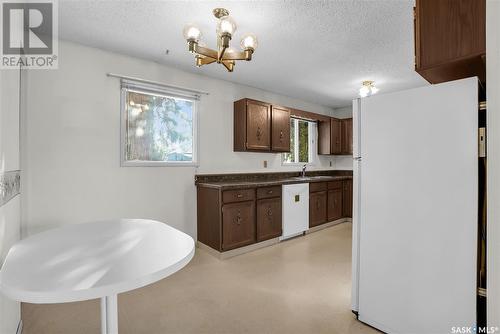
[228,64]
[234,56]
[207,60]
[205,52]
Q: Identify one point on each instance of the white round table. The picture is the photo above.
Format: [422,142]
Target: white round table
[93,260]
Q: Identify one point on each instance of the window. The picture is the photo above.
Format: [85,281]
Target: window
[158,126]
[301,142]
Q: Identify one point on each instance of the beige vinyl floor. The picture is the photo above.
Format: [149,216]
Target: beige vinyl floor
[301,285]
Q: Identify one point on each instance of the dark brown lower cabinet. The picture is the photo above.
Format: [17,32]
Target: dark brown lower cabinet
[347,198]
[268,218]
[233,218]
[317,208]
[334,204]
[238,224]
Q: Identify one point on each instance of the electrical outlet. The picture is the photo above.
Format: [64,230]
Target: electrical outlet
[265,163]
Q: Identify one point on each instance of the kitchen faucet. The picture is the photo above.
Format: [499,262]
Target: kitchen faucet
[304,170]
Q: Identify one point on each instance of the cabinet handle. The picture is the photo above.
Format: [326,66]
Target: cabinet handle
[281,135]
[269,211]
[270,214]
[238,218]
[239,196]
[270,192]
[259,133]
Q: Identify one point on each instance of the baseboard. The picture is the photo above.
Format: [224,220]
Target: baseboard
[238,251]
[20,327]
[327,225]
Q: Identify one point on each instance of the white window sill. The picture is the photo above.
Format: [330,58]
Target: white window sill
[158,164]
[297,164]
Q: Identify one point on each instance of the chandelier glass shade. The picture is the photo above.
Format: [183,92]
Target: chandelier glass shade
[226,27]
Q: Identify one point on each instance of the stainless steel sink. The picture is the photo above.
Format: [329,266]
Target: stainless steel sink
[311,178]
[301,178]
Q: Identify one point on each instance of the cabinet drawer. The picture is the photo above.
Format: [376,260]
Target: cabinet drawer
[335,185]
[240,195]
[317,186]
[269,192]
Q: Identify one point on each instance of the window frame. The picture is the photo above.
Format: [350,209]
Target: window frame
[312,134]
[159,91]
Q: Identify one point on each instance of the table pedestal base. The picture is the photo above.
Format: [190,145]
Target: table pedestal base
[109,315]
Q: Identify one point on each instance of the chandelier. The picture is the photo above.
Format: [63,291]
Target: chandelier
[223,55]
[368,88]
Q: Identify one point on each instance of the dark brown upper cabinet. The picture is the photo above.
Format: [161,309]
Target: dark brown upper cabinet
[336,136]
[346,139]
[324,135]
[450,39]
[260,127]
[280,129]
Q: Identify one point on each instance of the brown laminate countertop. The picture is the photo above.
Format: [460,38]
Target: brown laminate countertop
[227,185]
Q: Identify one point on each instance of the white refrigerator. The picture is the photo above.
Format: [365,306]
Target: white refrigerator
[415,208]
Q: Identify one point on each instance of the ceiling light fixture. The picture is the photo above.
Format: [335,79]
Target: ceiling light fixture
[225,31]
[368,88]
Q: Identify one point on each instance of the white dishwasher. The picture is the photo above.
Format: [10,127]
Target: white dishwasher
[295,209]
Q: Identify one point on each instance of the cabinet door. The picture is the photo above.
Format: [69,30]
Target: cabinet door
[347,198]
[238,224]
[335,136]
[317,208]
[450,39]
[258,126]
[280,128]
[347,136]
[334,204]
[268,218]
[324,137]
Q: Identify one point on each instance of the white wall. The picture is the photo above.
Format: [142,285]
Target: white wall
[72,143]
[344,112]
[9,161]
[493,137]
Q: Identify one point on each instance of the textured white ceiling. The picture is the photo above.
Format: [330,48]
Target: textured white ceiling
[318,51]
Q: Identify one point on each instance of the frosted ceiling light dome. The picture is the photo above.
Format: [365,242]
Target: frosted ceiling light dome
[368,88]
